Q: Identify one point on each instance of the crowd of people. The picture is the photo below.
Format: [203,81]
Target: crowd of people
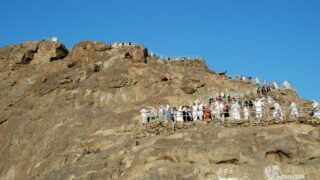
[246,79]
[266,88]
[177,58]
[122,44]
[223,107]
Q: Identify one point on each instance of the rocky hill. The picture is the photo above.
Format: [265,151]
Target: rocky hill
[74,114]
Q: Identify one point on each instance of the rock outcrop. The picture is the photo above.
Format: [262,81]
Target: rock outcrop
[41,52]
[75,115]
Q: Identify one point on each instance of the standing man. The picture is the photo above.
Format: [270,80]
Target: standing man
[277,111]
[294,110]
[258,106]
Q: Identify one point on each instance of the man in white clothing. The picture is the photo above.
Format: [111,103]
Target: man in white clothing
[294,110]
[144,115]
[258,106]
[246,113]
[287,85]
[270,100]
[217,112]
[277,113]
[222,94]
[221,110]
[161,112]
[195,111]
[315,109]
[315,104]
[257,80]
[235,110]
[200,112]
[180,114]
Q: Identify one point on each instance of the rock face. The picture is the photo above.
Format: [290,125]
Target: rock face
[33,53]
[75,115]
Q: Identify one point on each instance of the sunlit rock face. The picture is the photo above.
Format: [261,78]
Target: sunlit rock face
[74,114]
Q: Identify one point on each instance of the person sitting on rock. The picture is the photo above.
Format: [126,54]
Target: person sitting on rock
[277,113]
[294,110]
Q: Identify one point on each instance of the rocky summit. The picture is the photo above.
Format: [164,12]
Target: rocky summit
[75,114]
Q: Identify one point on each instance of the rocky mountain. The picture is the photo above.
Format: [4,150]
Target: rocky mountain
[74,114]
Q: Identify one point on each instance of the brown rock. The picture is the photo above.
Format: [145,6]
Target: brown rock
[67,123]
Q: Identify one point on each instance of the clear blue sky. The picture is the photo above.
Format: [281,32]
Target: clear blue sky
[274,40]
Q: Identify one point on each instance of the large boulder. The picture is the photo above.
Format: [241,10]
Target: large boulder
[88,52]
[48,51]
[190,86]
[33,53]
[137,54]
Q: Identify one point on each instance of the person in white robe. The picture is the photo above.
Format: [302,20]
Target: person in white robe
[216,110]
[270,101]
[315,105]
[246,113]
[144,116]
[222,94]
[256,80]
[258,106]
[287,85]
[235,110]
[315,109]
[195,111]
[180,114]
[221,110]
[277,113]
[294,110]
[161,112]
[200,111]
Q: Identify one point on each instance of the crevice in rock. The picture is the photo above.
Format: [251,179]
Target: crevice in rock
[3,121]
[278,156]
[313,158]
[229,161]
[28,56]
[166,158]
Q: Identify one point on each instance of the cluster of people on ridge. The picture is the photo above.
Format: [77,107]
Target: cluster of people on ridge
[224,107]
[180,58]
[122,44]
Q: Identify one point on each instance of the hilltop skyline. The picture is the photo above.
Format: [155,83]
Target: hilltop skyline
[272,40]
